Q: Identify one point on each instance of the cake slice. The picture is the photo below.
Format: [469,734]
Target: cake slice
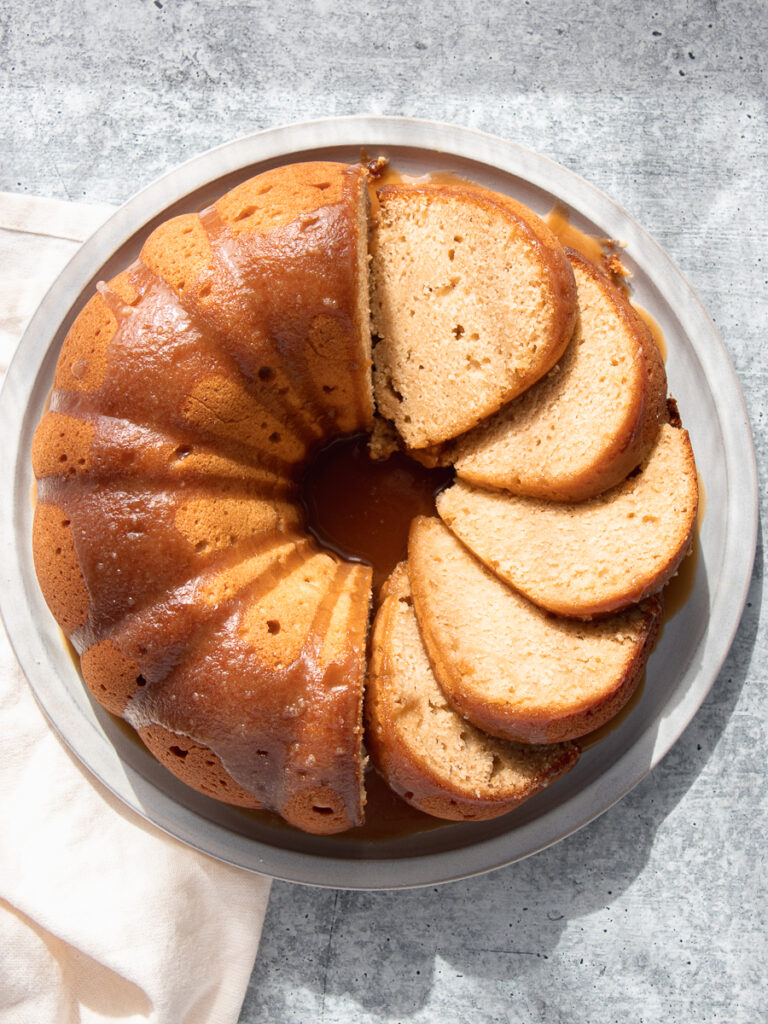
[431,756]
[587,424]
[592,557]
[472,300]
[509,667]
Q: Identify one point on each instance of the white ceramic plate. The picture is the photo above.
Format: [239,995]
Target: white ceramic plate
[694,643]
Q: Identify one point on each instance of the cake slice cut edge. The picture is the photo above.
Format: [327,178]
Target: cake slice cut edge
[590,558]
[472,300]
[591,420]
[428,754]
[510,668]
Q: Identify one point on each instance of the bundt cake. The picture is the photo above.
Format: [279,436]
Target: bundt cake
[173,538]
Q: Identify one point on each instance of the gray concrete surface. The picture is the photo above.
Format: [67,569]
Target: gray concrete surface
[656,912]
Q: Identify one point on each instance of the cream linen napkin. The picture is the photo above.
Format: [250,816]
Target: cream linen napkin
[102,917]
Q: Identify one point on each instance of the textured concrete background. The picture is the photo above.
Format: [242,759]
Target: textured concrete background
[655,912]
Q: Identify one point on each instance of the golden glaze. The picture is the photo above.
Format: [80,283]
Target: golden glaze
[381,498]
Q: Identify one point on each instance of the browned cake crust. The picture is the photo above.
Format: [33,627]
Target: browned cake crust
[188,395]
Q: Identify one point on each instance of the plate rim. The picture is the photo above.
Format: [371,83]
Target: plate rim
[282,144]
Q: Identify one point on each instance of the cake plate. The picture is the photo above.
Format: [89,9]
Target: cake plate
[695,640]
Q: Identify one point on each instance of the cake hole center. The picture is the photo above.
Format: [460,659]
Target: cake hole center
[361,508]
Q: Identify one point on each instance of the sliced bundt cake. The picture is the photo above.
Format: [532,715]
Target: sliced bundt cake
[173,533]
